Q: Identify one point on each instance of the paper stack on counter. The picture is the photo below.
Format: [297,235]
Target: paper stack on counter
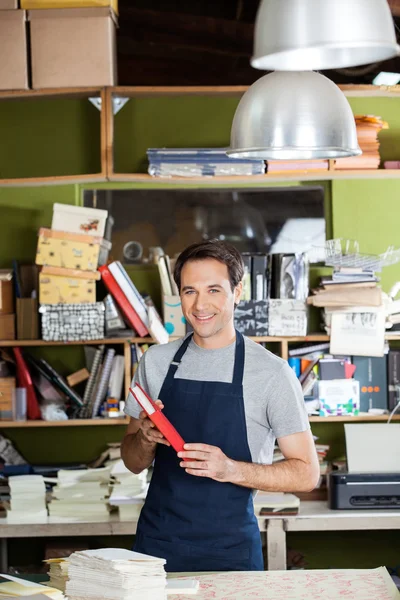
[58,573]
[28,499]
[129,491]
[16,587]
[81,495]
[271,503]
[115,574]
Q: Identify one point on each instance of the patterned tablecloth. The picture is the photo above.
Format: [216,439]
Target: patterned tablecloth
[349,584]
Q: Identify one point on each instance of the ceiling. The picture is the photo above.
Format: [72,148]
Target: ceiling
[202,42]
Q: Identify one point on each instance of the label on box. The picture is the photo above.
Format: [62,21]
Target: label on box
[339,397]
[174,321]
[287,318]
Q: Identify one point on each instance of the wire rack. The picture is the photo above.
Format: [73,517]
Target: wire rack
[342,252]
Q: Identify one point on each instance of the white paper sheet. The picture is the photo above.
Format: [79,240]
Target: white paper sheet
[358,333]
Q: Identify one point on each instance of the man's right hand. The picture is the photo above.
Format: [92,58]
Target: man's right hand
[149,432]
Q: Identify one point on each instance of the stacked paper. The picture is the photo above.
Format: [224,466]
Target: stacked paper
[115,574]
[81,495]
[28,499]
[129,491]
[58,573]
[16,587]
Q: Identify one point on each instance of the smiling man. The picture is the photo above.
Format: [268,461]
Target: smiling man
[230,399]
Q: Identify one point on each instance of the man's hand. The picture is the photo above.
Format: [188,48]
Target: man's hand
[203,460]
[150,433]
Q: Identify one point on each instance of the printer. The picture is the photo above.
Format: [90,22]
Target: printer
[372,480]
[352,491]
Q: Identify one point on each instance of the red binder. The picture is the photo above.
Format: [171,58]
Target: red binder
[159,419]
[124,304]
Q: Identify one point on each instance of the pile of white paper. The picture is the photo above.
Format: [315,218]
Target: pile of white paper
[115,574]
[28,499]
[81,495]
[16,587]
[129,491]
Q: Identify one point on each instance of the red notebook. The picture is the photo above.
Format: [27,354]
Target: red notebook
[159,419]
[130,313]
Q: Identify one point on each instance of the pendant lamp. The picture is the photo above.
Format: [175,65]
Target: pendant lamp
[293,116]
[302,35]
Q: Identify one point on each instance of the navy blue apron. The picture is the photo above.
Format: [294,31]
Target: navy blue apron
[196,523]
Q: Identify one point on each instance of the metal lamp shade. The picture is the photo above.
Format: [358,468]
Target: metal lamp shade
[302,35]
[289,116]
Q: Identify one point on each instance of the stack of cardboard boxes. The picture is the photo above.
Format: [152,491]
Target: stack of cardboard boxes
[70,253]
[71,43]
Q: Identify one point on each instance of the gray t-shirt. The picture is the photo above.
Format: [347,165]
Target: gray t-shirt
[273,399]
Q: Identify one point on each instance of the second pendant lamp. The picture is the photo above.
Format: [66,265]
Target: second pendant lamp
[293,116]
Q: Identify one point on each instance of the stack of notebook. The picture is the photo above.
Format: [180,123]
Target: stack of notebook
[115,574]
[81,495]
[368,128]
[200,162]
[129,491]
[28,499]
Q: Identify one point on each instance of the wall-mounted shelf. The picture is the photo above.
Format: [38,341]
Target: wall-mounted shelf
[69,423]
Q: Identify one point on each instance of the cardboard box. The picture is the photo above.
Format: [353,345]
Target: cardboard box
[73,47]
[72,322]
[67,286]
[27,319]
[7,398]
[339,397]
[14,70]
[174,321]
[68,250]
[7,327]
[6,292]
[8,4]
[39,4]
[79,219]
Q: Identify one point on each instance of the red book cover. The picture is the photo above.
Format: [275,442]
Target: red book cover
[25,380]
[124,304]
[154,413]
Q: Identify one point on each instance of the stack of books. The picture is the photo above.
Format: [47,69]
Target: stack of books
[200,162]
[368,128]
[140,315]
[81,495]
[129,491]
[28,499]
[115,574]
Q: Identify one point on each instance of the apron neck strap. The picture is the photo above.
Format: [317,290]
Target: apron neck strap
[239,360]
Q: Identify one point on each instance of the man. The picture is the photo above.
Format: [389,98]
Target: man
[230,399]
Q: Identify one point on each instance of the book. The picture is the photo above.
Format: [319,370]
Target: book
[129,289]
[158,418]
[101,391]
[129,312]
[59,381]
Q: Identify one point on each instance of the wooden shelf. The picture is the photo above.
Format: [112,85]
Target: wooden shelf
[32,343]
[257,179]
[69,423]
[75,92]
[349,419]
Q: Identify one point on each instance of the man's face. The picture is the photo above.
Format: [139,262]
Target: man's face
[207,298]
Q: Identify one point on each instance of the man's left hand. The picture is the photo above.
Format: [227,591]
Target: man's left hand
[203,460]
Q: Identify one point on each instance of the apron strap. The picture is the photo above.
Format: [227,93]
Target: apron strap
[239,360]
[176,361]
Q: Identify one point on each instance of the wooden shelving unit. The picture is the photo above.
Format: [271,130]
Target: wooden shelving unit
[126,342]
[108,173]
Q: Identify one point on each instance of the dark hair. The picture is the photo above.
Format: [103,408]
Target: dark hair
[221,251]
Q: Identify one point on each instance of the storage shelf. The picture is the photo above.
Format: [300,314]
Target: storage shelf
[350,419]
[259,179]
[27,343]
[69,423]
